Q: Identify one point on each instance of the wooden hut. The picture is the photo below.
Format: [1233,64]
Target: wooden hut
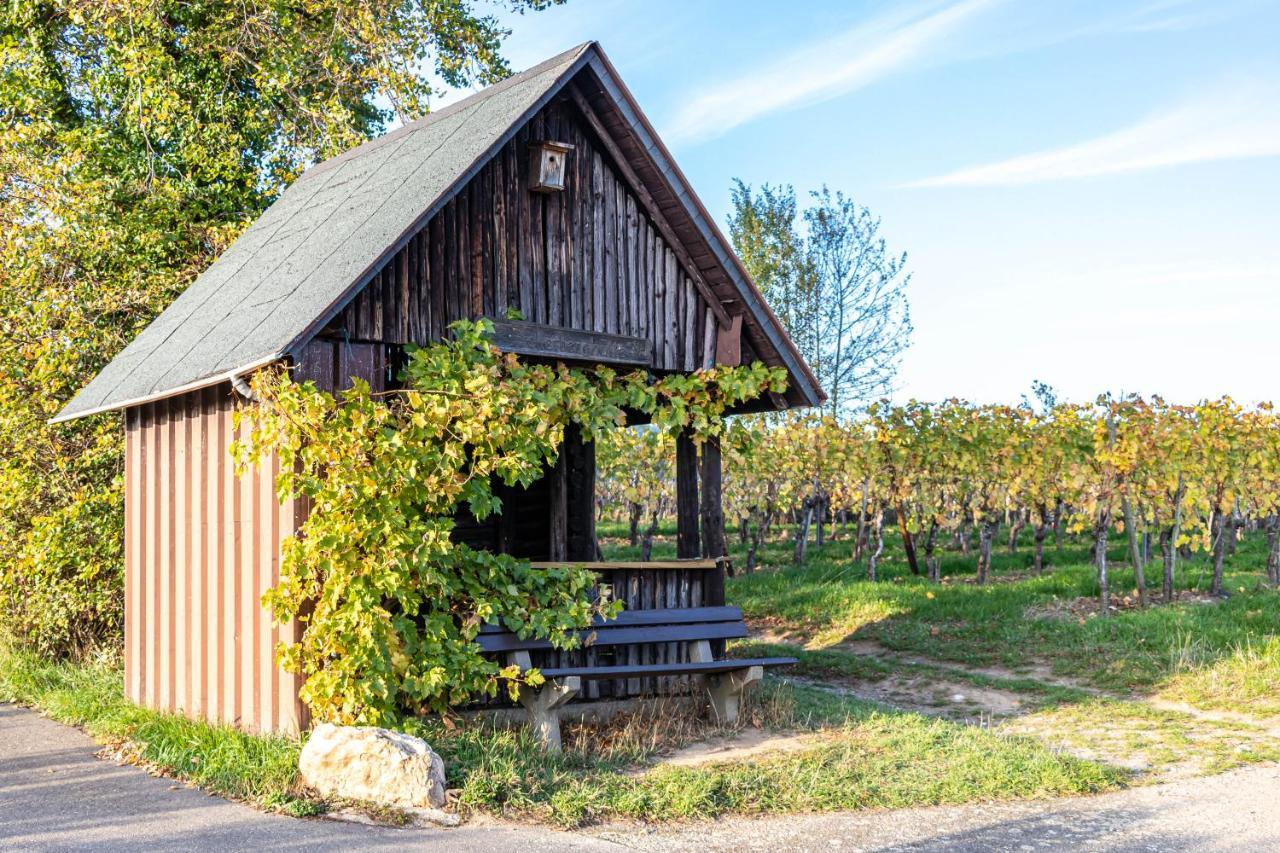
[548,193]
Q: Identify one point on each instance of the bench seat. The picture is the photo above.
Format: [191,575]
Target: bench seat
[602,673]
[724,681]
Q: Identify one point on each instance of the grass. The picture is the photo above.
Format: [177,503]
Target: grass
[1246,680]
[219,759]
[854,754]
[862,756]
[828,601]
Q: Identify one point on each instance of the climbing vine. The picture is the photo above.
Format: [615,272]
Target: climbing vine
[389,604]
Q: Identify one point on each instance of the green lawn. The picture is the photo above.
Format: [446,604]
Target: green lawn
[861,756]
[1095,732]
[1224,654]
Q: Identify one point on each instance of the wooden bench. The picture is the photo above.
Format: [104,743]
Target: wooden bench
[724,681]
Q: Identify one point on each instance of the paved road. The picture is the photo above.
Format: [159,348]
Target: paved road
[55,795]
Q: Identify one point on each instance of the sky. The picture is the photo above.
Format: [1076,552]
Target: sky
[1088,192]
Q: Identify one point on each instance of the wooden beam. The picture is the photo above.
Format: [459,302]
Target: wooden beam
[557,516]
[646,199]
[686,496]
[713,544]
[602,565]
[580,464]
[729,343]
[572,344]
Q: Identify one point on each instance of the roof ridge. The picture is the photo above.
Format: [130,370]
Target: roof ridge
[457,106]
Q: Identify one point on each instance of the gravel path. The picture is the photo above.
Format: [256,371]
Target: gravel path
[55,795]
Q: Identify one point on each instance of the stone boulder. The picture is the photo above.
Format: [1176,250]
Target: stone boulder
[372,764]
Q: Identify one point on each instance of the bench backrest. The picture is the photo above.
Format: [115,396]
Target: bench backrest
[632,627]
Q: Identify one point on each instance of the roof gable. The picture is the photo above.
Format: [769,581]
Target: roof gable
[329,232]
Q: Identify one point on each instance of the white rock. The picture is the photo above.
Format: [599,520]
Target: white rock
[374,765]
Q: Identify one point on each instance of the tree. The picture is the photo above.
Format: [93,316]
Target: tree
[862,320]
[763,229]
[137,139]
[836,287]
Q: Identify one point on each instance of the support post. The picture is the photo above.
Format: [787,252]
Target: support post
[558,521]
[543,706]
[713,544]
[543,703]
[686,496]
[580,495]
[727,689]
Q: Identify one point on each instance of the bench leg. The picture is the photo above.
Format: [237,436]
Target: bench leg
[726,691]
[543,706]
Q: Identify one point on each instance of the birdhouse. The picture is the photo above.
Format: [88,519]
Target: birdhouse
[547,165]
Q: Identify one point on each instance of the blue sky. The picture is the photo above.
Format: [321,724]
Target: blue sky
[1089,192]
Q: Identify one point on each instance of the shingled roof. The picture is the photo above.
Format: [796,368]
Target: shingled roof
[320,242]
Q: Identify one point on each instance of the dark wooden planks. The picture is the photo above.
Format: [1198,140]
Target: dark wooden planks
[669,668]
[666,616]
[607,635]
[589,258]
[535,339]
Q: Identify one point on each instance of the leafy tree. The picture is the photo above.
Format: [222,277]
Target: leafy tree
[862,323]
[137,139]
[763,229]
[836,287]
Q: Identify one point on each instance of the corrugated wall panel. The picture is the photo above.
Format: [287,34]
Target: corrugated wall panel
[201,548]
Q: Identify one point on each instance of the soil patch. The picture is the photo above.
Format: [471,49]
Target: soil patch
[1085,607]
[930,695]
[1037,671]
[748,743]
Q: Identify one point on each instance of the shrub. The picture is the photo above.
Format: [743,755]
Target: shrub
[389,603]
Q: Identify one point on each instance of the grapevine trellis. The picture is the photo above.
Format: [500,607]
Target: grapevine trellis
[1171,479]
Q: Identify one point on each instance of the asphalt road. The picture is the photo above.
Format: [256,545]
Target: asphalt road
[55,795]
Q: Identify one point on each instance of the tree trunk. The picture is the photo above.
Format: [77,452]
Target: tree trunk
[1042,532]
[646,541]
[1057,525]
[1168,555]
[1015,530]
[819,520]
[635,511]
[986,535]
[802,532]
[860,543]
[1273,550]
[1135,555]
[908,543]
[752,550]
[962,539]
[930,560]
[876,545]
[1101,527]
[1219,528]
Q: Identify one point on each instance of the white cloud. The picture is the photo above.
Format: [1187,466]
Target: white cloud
[1238,120]
[822,71]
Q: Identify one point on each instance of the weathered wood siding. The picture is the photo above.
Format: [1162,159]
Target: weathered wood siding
[586,258]
[201,547]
